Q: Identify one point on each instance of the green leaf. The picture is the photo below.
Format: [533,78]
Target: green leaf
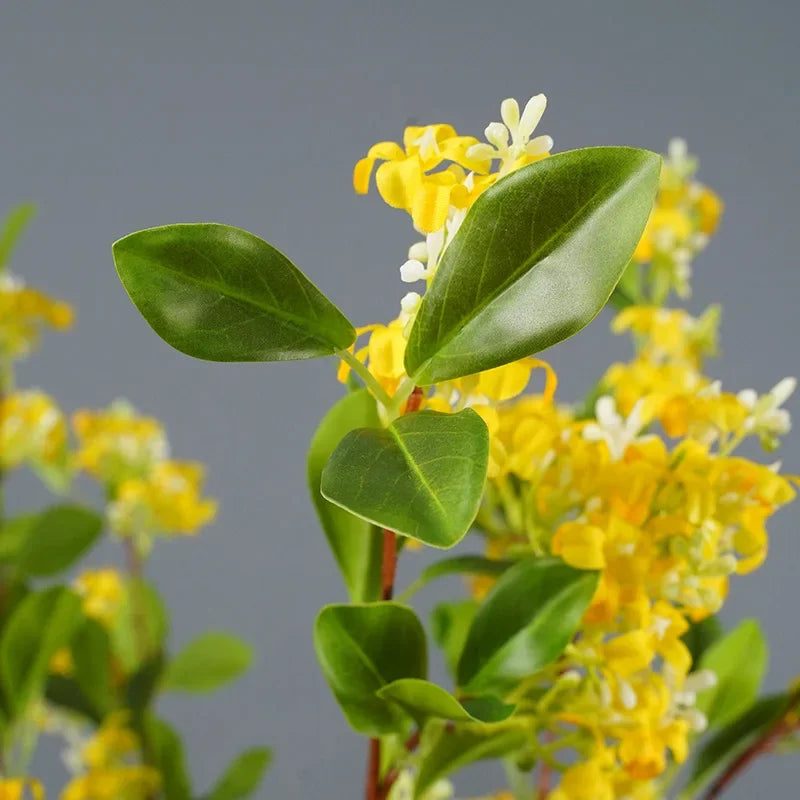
[243,776]
[41,624]
[701,635]
[208,662]
[143,684]
[13,227]
[357,545]
[509,640]
[535,260]
[140,627]
[422,700]
[222,294]
[91,655]
[450,623]
[739,660]
[57,538]
[164,750]
[458,565]
[13,535]
[731,741]
[361,649]
[447,749]
[65,692]
[423,476]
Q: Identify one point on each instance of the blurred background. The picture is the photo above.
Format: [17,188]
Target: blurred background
[120,116]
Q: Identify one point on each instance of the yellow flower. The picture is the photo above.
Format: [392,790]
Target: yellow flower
[125,782]
[61,663]
[580,545]
[32,429]
[15,789]
[167,500]
[103,593]
[584,781]
[24,313]
[117,443]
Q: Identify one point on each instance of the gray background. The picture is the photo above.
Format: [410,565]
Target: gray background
[115,117]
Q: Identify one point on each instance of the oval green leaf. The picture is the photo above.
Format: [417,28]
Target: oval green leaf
[361,649]
[422,700]
[244,775]
[222,294]
[356,544]
[41,624]
[208,662]
[57,538]
[535,260]
[510,640]
[458,565]
[423,476]
[739,660]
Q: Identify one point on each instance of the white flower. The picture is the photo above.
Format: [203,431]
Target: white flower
[412,271]
[766,418]
[518,129]
[617,432]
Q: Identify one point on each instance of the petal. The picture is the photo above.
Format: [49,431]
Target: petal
[509,112]
[398,181]
[532,114]
[539,146]
[430,205]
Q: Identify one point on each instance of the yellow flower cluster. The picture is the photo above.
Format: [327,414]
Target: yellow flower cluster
[150,494]
[24,312]
[32,430]
[102,592]
[644,486]
[111,768]
[685,215]
[20,789]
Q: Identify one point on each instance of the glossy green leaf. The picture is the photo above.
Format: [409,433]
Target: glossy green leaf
[67,694]
[509,640]
[535,260]
[422,700]
[207,663]
[423,476]
[14,225]
[14,533]
[57,538]
[739,660]
[244,775]
[361,649]
[41,624]
[731,741]
[446,749]
[140,627]
[450,624]
[701,635]
[164,751]
[356,544]
[222,294]
[91,656]
[458,565]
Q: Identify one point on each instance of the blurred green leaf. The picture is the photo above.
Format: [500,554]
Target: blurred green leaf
[450,623]
[12,229]
[422,700]
[40,625]
[14,533]
[732,740]
[140,628]
[701,635]
[91,656]
[222,294]
[207,663]
[739,660]
[458,565]
[535,260]
[509,640]
[445,749]
[423,476]
[361,649]
[357,545]
[164,750]
[57,538]
[244,775]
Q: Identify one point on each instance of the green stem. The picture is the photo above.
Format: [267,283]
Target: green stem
[519,782]
[369,380]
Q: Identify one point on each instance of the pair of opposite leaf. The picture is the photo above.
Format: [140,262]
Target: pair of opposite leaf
[536,258]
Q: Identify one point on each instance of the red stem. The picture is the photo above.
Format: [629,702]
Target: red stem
[375,789]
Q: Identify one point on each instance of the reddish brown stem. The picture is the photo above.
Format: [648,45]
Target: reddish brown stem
[375,789]
[764,744]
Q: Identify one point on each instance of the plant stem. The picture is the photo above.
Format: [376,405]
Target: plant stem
[374,789]
[764,744]
[369,379]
